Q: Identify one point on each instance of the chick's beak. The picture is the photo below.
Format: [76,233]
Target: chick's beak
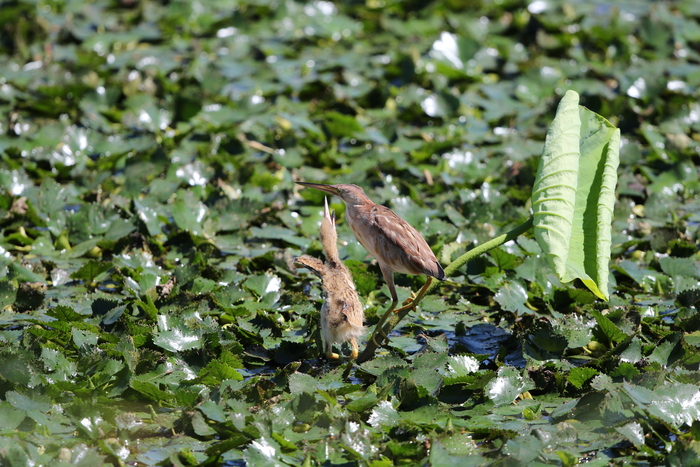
[327,213]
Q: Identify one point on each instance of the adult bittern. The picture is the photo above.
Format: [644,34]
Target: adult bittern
[341,315]
[393,242]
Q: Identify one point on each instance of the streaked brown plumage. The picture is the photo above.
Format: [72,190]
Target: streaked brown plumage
[395,244]
[341,315]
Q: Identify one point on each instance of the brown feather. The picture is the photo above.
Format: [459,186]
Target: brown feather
[395,244]
[342,315]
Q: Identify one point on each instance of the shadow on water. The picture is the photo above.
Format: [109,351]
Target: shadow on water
[487,339]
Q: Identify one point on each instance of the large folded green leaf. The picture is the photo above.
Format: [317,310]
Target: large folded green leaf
[574,194]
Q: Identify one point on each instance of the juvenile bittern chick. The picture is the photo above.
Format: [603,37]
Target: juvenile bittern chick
[341,315]
[396,245]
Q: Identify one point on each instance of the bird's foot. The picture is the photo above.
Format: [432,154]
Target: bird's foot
[407,303]
[332,355]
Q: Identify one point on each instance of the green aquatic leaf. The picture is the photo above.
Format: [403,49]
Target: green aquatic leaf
[216,372]
[578,376]
[83,338]
[512,296]
[460,369]
[340,125]
[264,451]
[213,411]
[607,330]
[189,214]
[10,417]
[523,449]
[301,383]
[554,192]
[178,339]
[634,433]
[679,267]
[384,415]
[17,368]
[574,194]
[151,391]
[145,133]
[453,54]
[507,386]
[8,293]
[90,270]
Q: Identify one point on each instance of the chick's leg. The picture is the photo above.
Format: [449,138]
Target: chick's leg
[355,351]
[329,352]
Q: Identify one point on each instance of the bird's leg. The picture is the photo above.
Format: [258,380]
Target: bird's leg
[389,279]
[355,351]
[409,303]
[378,329]
[329,352]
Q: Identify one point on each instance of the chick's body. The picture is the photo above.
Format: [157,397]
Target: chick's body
[341,315]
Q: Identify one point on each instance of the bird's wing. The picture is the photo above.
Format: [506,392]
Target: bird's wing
[313,264]
[400,234]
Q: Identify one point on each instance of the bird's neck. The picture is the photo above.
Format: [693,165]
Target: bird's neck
[333,256]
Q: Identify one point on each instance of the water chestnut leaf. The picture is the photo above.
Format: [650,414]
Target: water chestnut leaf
[189,214]
[384,415]
[151,391]
[26,403]
[578,376]
[507,386]
[23,274]
[178,339]
[363,404]
[663,352]
[83,338]
[90,270]
[679,267]
[453,54]
[264,451]
[523,449]
[213,411]
[503,259]
[512,297]
[340,125]
[301,383]
[8,293]
[279,233]
[64,313]
[167,140]
[606,329]
[460,369]
[149,217]
[216,372]
[200,425]
[263,285]
[634,433]
[17,368]
[10,417]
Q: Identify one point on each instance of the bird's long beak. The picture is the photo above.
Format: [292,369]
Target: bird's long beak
[330,189]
